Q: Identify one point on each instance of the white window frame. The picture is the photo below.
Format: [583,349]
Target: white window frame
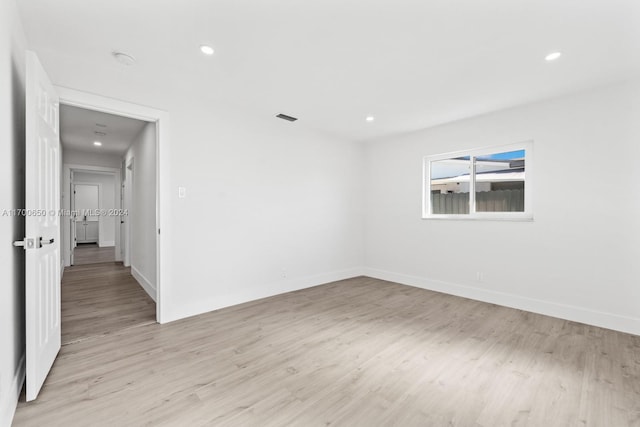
[527,215]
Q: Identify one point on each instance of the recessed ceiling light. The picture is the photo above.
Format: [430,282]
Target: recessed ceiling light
[553,56]
[124,58]
[97,143]
[370,118]
[207,50]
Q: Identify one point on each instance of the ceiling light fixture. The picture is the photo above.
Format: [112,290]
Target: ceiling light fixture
[370,118]
[97,143]
[124,58]
[207,50]
[553,56]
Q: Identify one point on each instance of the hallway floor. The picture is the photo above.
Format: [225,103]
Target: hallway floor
[101,299]
[91,253]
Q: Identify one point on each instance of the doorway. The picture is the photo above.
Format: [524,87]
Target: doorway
[86,199]
[94,196]
[110,280]
[43,193]
[87,243]
[160,120]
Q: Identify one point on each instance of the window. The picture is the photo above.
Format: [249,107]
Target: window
[485,183]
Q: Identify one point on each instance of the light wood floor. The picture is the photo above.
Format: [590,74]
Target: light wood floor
[359,352]
[91,253]
[101,299]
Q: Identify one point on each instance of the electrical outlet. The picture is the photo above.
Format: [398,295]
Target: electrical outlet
[284,273]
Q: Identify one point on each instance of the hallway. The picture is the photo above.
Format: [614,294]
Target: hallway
[100,299]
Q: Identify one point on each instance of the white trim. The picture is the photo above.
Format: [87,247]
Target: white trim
[261,291]
[144,282]
[92,169]
[527,215]
[616,322]
[107,244]
[127,204]
[163,190]
[12,395]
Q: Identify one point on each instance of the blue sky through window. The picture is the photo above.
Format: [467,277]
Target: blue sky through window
[509,155]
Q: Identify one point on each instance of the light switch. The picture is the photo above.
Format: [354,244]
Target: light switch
[182,192]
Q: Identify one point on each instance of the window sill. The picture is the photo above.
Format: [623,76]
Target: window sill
[478,218]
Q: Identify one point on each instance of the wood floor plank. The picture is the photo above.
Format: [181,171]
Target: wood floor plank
[98,299]
[359,352]
[91,253]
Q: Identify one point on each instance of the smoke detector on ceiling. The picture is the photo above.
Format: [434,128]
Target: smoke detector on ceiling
[124,58]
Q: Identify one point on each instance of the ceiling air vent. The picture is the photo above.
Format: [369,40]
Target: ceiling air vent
[285,117]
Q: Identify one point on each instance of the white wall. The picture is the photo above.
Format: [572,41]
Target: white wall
[12,69]
[270,207]
[109,200]
[578,259]
[91,158]
[142,213]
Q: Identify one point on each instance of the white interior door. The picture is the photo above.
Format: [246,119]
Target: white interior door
[42,226]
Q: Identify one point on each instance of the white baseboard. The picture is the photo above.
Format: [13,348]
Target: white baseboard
[106,243]
[285,285]
[10,397]
[145,283]
[616,322]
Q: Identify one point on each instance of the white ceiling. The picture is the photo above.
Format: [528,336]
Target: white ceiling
[410,63]
[78,129]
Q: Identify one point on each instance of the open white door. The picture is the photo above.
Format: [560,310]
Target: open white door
[42,226]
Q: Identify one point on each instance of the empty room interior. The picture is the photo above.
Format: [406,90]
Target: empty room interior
[345,213]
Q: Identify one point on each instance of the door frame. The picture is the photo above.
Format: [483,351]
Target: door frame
[67,228]
[103,104]
[127,199]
